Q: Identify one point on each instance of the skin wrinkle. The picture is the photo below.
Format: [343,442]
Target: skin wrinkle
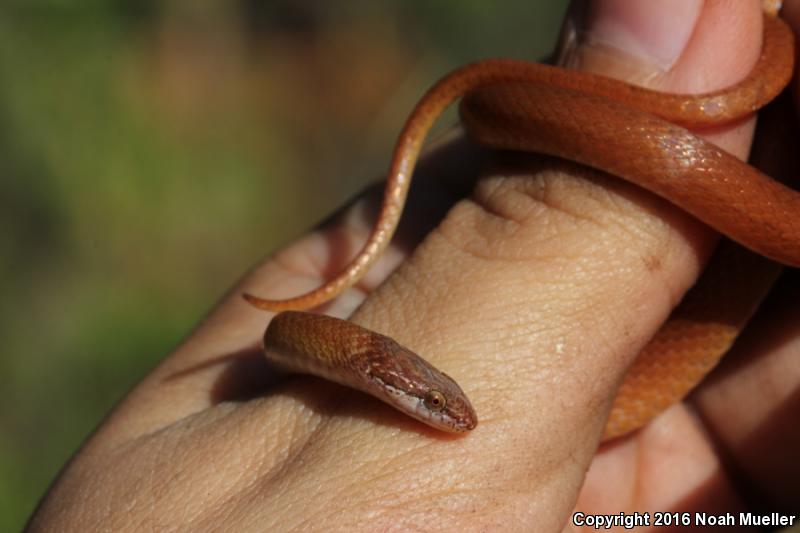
[537,189]
[185,471]
[217,513]
[290,464]
[538,249]
[385,504]
[233,504]
[155,485]
[392,506]
[541,193]
[485,197]
[459,245]
[282,451]
[653,236]
[278,490]
[557,203]
[379,503]
[277,453]
[340,494]
[284,457]
[389,467]
[616,215]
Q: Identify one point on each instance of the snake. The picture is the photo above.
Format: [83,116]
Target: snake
[591,119]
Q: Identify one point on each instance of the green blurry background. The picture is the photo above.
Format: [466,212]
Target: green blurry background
[150,152]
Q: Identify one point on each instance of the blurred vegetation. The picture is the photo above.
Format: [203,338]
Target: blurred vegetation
[150,152]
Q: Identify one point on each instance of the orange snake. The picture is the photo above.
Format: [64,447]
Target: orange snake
[589,119]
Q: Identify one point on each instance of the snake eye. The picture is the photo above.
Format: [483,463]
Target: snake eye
[435,400]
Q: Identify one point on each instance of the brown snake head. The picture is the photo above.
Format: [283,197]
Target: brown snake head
[356,357]
[404,380]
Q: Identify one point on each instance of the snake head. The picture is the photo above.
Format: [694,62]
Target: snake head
[346,353]
[404,380]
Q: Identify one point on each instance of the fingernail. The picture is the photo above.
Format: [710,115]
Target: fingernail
[652,33]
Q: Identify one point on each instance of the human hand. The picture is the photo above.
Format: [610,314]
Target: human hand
[535,293]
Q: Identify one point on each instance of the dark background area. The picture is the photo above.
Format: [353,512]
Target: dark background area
[151,152]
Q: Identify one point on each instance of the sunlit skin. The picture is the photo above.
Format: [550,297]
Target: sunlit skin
[197,445]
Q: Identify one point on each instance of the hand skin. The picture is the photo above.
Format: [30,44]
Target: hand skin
[535,293]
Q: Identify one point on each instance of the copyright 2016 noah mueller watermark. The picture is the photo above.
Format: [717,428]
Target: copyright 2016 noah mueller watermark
[632,520]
